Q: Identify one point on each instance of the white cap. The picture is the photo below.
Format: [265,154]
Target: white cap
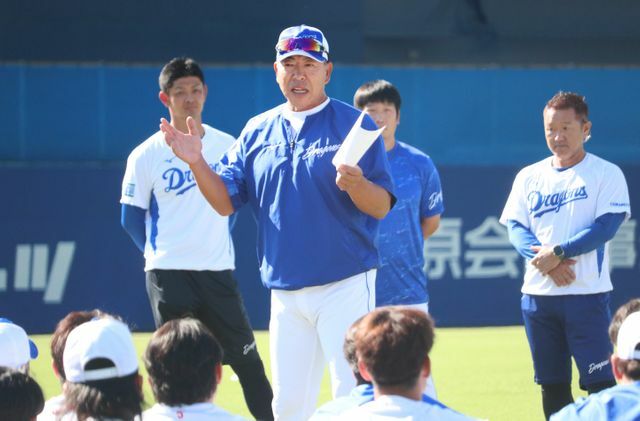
[15,347]
[100,338]
[302,32]
[629,338]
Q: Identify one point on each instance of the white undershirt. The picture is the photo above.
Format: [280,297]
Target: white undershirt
[296,118]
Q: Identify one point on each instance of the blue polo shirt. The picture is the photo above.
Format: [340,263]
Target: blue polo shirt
[309,232]
[620,402]
[401,278]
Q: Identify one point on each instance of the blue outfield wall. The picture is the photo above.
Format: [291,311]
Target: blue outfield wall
[62,249]
[459,116]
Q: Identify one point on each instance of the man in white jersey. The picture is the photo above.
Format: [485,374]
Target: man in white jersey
[317,224]
[188,249]
[560,215]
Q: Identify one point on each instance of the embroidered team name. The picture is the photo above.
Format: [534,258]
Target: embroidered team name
[434,199]
[539,203]
[179,180]
[319,152]
[597,366]
[248,347]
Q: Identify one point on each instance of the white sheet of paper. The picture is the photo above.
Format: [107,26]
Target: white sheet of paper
[355,144]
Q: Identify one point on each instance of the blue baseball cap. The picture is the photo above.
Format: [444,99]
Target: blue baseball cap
[302,40]
[16,349]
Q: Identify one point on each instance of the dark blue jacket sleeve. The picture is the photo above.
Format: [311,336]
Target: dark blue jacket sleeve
[132,220]
[522,239]
[602,230]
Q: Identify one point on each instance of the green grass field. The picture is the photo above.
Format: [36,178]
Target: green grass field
[483,372]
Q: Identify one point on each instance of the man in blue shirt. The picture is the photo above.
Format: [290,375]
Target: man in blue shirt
[401,279]
[317,224]
[621,402]
[416,215]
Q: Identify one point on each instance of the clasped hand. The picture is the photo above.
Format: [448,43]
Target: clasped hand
[559,270]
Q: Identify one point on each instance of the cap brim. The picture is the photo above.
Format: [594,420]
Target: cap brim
[311,54]
[33,350]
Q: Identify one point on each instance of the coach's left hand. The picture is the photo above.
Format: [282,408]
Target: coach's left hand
[545,259]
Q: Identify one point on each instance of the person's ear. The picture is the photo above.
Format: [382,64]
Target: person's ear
[328,71]
[614,367]
[139,382]
[364,372]
[164,98]
[426,367]
[218,373]
[55,369]
[586,131]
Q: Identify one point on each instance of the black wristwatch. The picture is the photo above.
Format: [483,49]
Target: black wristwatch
[559,252]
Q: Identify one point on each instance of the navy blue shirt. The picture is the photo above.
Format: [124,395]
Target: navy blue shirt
[309,232]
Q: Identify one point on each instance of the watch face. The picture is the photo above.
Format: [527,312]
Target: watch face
[557,250]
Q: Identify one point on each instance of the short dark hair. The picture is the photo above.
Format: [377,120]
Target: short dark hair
[21,397]
[570,101]
[393,343]
[119,397]
[621,313]
[181,359]
[350,352]
[177,68]
[377,91]
[63,328]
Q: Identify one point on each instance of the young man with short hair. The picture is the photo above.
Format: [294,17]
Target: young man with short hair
[184,362]
[188,248]
[392,346]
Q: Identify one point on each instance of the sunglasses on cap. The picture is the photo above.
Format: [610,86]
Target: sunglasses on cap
[297,44]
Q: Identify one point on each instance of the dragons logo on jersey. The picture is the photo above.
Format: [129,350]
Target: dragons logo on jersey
[539,203]
[179,180]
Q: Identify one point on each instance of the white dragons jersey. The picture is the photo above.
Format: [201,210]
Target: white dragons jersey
[183,231]
[556,205]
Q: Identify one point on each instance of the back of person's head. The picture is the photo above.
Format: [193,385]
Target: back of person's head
[628,347]
[21,398]
[63,328]
[182,360]
[177,68]
[570,101]
[350,353]
[377,91]
[623,311]
[16,349]
[393,344]
[101,367]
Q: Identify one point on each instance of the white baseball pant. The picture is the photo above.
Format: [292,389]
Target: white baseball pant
[306,330]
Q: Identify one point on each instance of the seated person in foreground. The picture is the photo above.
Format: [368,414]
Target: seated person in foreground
[392,347]
[621,402]
[184,362]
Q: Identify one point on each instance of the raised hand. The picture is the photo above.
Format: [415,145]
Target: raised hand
[186,146]
[563,274]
